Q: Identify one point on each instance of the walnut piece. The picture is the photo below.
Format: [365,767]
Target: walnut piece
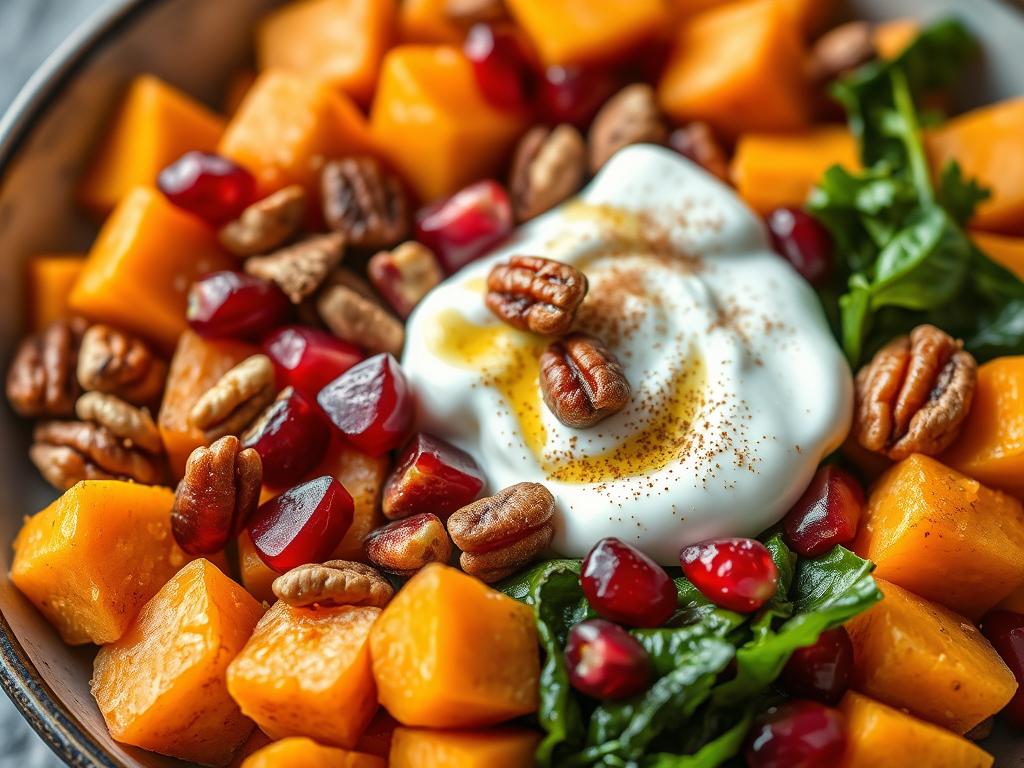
[66,452]
[336,582]
[353,317]
[536,294]
[548,167]
[300,269]
[135,426]
[118,363]
[266,224]
[629,117]
[364,202]
[405,546]
[235,400]
[696,141]
[405,275]
[841,50]
[503,533]
[41,380]
[581,380]
[914,395]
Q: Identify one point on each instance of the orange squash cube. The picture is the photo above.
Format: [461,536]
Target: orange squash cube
[425,21]
[306,753]
[739,68]
[450,652]
[431,121]
[497,748]
[1003,250]
[916,655]
[892,37]
[161,686]
[155,125]
[91,559]
[50,280]
[925,521]
[147,255]
[288,126]
[257,576]
[307,672]
[810,16]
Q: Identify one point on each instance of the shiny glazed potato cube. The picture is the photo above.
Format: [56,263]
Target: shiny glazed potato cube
[50,280]
[306,753]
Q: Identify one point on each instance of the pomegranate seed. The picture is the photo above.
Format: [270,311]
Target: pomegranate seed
[501,64]
[370,404]
[208,186]
[235,305]
[291,437]
[625,585]
[431,476]
[737,574]
[797,734]
[821,671]
[461,228]
[803,242]
[1005,630]
[304,524]
[827,514]
[574,94]
[605,661]
[309,359]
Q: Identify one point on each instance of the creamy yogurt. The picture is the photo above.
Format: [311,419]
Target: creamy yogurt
[739,389]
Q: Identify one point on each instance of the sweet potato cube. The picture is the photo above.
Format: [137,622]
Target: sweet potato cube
[450,652]
[1003,250]
[584,31]
[882,737]
[917,655]
[257,576]
[306,753]
[496,748]
[50,280]
[307,672]
[339,42]
[161,686]
[91,559]
[811,16]
[426,21]
[925,521]
[739,68]
[287,126]
[892,37]
[431,121]
[147,255]
[155,125]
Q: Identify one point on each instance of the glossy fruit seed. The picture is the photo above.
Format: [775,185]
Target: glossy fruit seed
[737,574]
[291,437]
[304,524]
[797,734]
[208,186]
[235,305]
[803,242]
[1005,630]
[574,94]
[308,359]
[370,404]
[501,65]
[463,227]
[827,514]
[605,661]
[625,585]
[431,476]
[821,671]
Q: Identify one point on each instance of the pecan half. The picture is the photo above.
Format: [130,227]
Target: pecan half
[469,12]
[364,202]
[41,380]
[405,275]
[840,50]
[582,381]
[336,582]
[629,117]
[217,495]
[235,400]
[135,426]
[353,317]
[66,452]
[536,294]
[914,395]
[548,167]
[696,141]
[301,268]
[502,533]
[405,546]
[266,224]
[118,363]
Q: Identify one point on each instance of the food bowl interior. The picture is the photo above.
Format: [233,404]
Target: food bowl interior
[197,45]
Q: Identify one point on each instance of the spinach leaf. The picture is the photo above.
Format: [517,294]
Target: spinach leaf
[712,754]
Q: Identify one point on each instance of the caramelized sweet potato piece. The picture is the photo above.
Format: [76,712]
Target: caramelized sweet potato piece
[811,16]
[50,280]
[306,753]
[257,576]
[495,748]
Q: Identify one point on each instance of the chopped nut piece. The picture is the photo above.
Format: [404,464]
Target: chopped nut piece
[629,117]
[353,317]
[66,452]
[696,141]
[405,546]
[914,395]
[41,381]
[405,275]
[841,50]
[536,294]
[301,268]
[336,582]
[236,399]
[548,168]
[364,202]
[133,425]
[469,12]
[117,363]
[582,381]
[502,533]
[266,224]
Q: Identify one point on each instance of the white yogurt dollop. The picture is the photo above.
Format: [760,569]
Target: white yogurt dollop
[739,389]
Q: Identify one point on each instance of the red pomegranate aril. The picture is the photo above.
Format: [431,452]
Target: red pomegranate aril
[431,476]
[291,437]
[370,404]
[502,65]
[307,358]
[625,585]
[605,661]
[461,228]
[736,574]
[304,524]
[1005,630]
[827,514]
[573,94]
[208,186]
[797,734]
[235,305]
[803,241]
[821,671]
